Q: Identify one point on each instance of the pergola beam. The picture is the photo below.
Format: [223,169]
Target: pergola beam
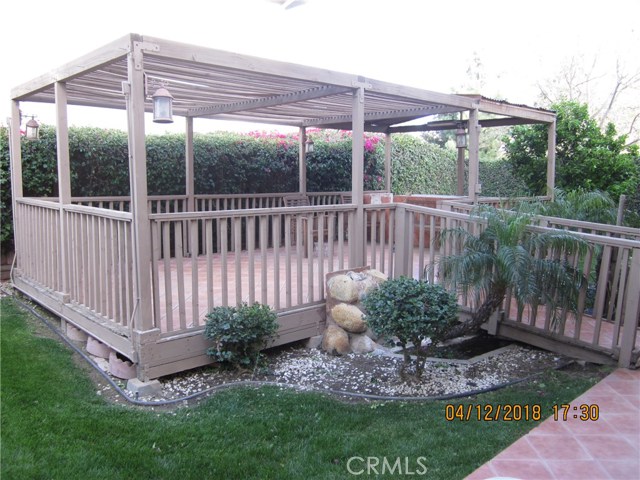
[404,114]
[287,98]
[81,66]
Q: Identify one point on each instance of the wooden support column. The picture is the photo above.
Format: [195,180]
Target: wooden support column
[474,164]
[631,312]
[302,161]
[551,158]
[15,154]
[64,177]
[143,318]
[387,162]
[189,167]
[357,238]
[460,173]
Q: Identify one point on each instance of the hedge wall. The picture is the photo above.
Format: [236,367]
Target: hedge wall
[228,163]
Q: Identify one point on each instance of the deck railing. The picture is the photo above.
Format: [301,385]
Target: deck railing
[85,255]
[608,302]
[217,258]
[280,256]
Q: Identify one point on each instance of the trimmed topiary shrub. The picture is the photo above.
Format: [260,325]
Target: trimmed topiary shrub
[239,333]
[412,311]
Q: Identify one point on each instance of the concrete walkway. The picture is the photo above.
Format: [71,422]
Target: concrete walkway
[608,448]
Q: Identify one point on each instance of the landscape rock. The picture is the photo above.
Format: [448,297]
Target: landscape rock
[362,344]
[335,341]
[343,288]
[349,317]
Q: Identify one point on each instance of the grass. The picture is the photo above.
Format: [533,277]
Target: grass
[54,426]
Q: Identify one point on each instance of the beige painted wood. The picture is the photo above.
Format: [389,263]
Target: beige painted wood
[356,236]
[98,58]
[189,166]
[138,179]
[474,160]
[64,177]
[302,161]
[631,312]
[551,158]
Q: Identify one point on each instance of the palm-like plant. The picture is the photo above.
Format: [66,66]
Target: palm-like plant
[589,206]
[507,256]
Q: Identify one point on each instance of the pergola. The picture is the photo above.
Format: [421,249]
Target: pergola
[209,83]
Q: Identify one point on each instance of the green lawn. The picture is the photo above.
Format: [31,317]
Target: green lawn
[54,426]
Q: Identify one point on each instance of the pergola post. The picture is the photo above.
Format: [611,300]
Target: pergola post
[143,318]
[551,158]
[189,166]
[356,237]
[64,176]
[302,161]
[15,154]
[387,162]
[474,136]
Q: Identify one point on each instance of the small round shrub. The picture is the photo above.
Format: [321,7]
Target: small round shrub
[411,310]
[239,333]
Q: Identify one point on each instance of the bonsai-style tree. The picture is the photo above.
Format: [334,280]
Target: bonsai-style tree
[412,311]
[508,255]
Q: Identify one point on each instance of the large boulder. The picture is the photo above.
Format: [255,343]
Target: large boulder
[349,317]
[343,288]
[335,341]
[362,344]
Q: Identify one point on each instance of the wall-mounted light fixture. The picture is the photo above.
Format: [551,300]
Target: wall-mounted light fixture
[32,129]
[162,106]
[308,145]
[461,137]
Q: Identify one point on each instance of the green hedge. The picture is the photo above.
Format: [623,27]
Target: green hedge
[225,163]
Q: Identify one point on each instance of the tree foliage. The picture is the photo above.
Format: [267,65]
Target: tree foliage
[506,255]
[412,311]
[586,157]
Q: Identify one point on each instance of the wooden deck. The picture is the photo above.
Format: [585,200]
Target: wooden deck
[281,289]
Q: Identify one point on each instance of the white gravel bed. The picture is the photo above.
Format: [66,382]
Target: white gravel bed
[369,374]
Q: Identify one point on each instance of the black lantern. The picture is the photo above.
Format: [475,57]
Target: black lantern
[162,106]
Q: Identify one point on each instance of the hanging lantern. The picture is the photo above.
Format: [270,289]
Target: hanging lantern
[32,129]
[461,137]
[162,106]
[308,146]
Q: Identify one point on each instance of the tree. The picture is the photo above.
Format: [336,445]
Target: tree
[412,311]
[610,90]
[586,157]
[507,255]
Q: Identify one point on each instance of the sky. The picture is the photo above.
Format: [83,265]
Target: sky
[420,43]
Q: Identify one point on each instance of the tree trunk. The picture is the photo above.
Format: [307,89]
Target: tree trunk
[482,315]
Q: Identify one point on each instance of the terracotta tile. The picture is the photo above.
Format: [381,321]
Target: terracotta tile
[608,447]
[520,450]
[550,427]
[481,473]
[559,447]
[525,469]
[577,469]
[589,427]
[623,386]
[622,470]
[627,423]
